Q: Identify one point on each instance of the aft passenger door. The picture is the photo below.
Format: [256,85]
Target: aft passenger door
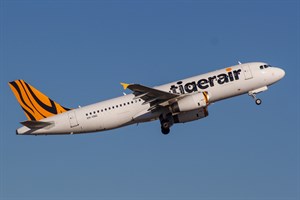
[72,119]
[247,72]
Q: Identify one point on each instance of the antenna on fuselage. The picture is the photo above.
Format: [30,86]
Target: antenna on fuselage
[239,62]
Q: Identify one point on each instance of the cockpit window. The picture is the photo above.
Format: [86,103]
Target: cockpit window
[264,66]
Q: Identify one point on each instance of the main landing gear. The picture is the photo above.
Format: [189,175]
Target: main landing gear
[165,127]
[257,101]
[166,122]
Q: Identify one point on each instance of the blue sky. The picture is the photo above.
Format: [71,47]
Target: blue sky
[77,52]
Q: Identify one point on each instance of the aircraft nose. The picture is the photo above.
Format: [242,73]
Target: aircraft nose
[280,73]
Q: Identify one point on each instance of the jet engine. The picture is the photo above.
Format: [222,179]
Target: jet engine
[191,102]
[190,115]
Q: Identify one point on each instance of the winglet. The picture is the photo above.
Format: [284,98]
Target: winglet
[125,85]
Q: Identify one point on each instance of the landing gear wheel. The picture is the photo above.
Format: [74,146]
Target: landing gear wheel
[165,125]
[166,122]
[165,131]
[258,101]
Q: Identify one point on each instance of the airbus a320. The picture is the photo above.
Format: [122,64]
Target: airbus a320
[177,102]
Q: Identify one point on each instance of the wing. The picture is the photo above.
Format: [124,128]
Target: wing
[153,96]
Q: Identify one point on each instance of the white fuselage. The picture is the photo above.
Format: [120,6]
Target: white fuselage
[126,110]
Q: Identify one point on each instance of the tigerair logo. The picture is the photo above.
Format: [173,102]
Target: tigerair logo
[202,84]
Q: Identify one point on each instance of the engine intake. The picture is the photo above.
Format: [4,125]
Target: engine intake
[191,102]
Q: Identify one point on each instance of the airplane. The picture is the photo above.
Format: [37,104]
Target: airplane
[177,102]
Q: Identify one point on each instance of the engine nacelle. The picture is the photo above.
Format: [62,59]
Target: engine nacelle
[191,115]
[191,102]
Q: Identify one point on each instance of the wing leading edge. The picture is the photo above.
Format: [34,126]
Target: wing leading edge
[153,96]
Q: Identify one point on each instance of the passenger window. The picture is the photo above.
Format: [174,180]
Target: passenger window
[261,67]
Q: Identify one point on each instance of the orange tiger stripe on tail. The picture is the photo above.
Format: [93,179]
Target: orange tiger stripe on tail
[35,104]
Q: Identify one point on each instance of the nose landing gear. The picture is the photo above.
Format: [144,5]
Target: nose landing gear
[258,90]
[257,101]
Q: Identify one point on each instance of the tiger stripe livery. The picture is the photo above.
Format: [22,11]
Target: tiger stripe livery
[35,104]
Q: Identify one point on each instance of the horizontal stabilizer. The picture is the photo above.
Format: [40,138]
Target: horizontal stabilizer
[36,124]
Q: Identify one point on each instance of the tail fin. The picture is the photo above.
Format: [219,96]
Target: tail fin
[35,104]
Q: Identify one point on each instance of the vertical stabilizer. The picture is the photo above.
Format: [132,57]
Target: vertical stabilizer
[35,104]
